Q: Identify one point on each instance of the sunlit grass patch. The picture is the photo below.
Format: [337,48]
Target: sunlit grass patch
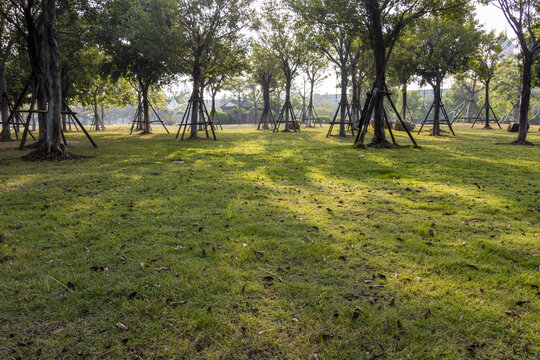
[262,246]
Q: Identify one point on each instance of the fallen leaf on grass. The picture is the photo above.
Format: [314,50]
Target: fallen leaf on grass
[99,268]
[357,313]
[512,313]
[121,326]
[176,303]
[427,314]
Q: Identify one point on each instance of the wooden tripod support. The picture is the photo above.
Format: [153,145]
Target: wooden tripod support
[342,121]
[203,120]
[287,117]
[369,106]
[445,119]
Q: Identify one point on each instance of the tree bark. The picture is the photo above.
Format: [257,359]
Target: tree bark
[213,110]
[53,145]
[96,113]
[195,97]
[379,53]
[310,114]
[487,105]
[4,103]
[343,101]
[145,108]
[287,104]
[436,107]
[404,108]
[265,116]
[525,98]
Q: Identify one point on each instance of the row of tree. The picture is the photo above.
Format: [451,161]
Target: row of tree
[65,51]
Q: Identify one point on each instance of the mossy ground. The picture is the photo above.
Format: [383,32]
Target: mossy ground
[272,246]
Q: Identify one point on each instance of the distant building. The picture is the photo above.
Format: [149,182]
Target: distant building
[173,106]
[233,104]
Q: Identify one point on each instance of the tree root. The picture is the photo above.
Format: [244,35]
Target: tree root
[385,145]
[41,154]
[521,142]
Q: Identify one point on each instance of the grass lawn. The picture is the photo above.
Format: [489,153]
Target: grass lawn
[272,246]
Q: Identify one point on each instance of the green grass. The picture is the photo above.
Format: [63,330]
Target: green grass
[263,246]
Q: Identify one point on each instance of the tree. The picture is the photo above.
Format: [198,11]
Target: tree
[284,39]
[136,36]
[26,18]
[448,45]
[401,69]
[334,33]
[360,65]
[6,44]
[524,19]
[313,67]
[90,86]
[204,28]
[264,71]
[384,21]
[485,64]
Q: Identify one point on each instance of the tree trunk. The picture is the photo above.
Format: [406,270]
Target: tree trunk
[404,108]
[379,54]
[525,99]
[96,113]
[355,100]
[4,103]
[310,114]
[487,126]
[102,118]
[265,116]
[287,103]
[436,108]
[195,97]
[343,101]
[213,110]
[51,147]
[145,107]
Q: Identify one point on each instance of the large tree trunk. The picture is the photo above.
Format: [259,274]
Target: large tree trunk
[343,101]
[355,100]
[195,97]
[525,99]
[404,108]
[265,116]
[213,110]
[96,113]
[436,107]
[379,136]
[310,114]
[34,46]
[486,125]
[4,103]
[287,104]
[145,108]
[51,147]
[379,53]
[102,117]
